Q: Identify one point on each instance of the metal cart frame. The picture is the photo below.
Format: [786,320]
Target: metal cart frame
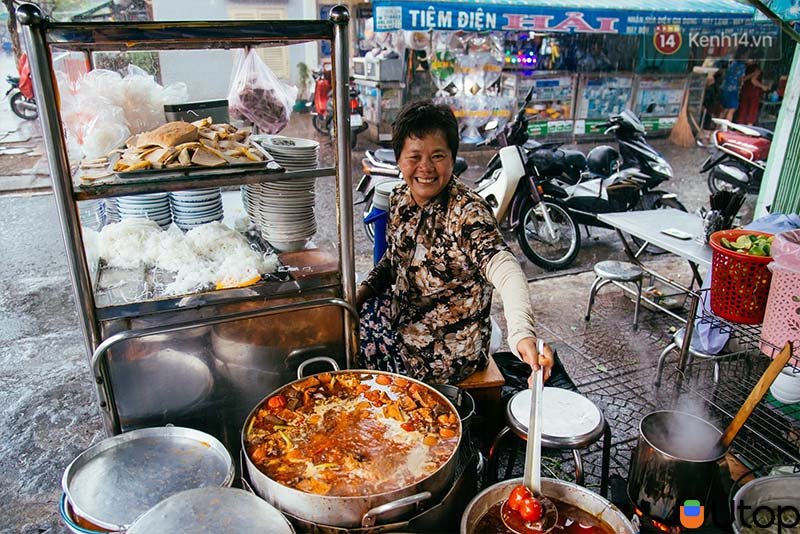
[42,35]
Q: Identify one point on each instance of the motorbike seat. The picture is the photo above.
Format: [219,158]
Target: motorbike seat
[763,132]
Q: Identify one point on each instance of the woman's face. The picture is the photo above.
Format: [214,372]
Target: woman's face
[427,165]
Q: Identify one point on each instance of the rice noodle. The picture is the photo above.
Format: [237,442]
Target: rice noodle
[208,255]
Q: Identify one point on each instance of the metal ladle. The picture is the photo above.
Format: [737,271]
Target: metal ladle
[532,476]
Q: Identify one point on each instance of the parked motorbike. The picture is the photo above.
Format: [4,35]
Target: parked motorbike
[322,112]
[739,158]
[612,180]
[23,106]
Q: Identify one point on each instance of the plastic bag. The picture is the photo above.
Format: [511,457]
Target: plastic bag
[258,96]
[786,251]
[143,99]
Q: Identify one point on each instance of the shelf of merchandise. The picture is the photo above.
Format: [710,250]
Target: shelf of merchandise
[204,340]
[771,435]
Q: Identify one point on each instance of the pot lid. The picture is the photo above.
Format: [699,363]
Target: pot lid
[211,509]
[566,414]
[113,482]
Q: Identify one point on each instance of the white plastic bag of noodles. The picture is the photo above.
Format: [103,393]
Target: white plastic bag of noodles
[258,96]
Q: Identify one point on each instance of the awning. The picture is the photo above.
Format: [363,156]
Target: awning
[582,16]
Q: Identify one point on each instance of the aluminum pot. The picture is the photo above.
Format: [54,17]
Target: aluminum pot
[675,459]
[352,511]
[566,492]
[772,492]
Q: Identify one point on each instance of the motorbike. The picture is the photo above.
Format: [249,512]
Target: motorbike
[322,111]
[611,180]
[23,106]
[739,158]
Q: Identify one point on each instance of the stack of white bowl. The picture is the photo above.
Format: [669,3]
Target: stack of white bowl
[151,206]
[283,211]
[196,207]
[92,214]
[112,210]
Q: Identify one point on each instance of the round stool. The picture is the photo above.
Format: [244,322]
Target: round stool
[571,422]
[610,271]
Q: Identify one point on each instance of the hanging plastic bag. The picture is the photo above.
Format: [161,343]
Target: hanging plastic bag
[258,96]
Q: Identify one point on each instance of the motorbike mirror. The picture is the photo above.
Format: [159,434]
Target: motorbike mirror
[529,96]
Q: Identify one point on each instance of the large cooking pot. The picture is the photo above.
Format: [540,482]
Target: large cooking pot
[565,492]
[771,492]
[352,511]
[675,460]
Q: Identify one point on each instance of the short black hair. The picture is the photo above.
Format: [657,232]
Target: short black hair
[424,117]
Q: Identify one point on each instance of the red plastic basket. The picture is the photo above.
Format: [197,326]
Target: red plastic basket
[739,281]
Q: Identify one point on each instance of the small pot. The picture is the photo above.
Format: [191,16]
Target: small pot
[675,460]
[772,492]
[566,492]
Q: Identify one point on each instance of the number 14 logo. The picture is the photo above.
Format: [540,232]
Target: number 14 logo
[668,39]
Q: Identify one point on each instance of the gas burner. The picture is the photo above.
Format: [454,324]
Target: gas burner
[650,525]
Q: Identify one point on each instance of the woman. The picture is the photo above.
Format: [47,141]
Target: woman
[752,90]
[731,85]
[428,300]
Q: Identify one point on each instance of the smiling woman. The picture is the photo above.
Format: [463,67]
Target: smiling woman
[427,302]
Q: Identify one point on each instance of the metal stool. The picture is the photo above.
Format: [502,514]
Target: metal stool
[571,422]
[677,343]
[617,271]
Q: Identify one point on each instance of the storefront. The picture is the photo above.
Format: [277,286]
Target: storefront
[583,62]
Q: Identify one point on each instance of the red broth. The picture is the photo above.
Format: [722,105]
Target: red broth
[571,520]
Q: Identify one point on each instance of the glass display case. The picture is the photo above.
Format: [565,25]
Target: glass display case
[600,96]
[551,110]
[658,101]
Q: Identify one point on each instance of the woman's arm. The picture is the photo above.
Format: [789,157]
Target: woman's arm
[505,274]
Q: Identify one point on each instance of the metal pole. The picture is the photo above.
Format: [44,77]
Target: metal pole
[687,340]
[344,181]
[32,22]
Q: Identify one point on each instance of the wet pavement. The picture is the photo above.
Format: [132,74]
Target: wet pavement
[48,410]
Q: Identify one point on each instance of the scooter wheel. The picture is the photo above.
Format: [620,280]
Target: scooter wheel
[320,124]
[551,248]
[716,184]
[22,107]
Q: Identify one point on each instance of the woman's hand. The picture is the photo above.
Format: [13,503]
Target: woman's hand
[363,292]
[530,355]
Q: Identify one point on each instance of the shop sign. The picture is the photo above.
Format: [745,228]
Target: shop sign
[590,126]
[660,124]
[545,128]
[451,16]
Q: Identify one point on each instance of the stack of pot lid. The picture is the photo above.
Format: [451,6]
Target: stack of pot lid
[211,509]
[117,480]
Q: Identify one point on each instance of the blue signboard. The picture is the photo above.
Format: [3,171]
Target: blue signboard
[580,16]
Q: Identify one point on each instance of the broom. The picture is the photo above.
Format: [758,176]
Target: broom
[682,131]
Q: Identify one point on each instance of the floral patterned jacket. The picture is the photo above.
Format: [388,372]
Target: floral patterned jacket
[434,266]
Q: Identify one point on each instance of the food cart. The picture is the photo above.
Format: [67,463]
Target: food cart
[201,359]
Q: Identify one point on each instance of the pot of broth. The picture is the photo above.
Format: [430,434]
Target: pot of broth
[333,448]
[675,460]
[580,511]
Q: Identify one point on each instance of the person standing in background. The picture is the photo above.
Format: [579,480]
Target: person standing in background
[731,85]
[752,90]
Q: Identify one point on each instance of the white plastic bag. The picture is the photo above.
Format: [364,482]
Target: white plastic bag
[258,96]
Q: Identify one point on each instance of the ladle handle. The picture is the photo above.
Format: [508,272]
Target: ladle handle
[533,451]
[758,392]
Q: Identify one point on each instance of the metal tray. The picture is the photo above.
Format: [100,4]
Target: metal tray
[113,482]
[212,510]
[268,164]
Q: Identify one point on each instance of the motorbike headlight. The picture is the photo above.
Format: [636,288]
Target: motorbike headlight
[662,167]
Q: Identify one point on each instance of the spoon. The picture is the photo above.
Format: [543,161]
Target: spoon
[532,476]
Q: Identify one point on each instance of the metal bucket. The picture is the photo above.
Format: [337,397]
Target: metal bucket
[566,492]
[771,492]
[675,460]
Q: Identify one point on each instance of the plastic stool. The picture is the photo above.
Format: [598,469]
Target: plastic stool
[571,422]
[617,271]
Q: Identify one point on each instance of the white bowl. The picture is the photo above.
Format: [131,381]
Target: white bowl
[786,387]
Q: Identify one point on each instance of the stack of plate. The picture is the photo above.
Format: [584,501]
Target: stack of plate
[153,206]
[112,210]
[284,211]
[92,214]
[196,207]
